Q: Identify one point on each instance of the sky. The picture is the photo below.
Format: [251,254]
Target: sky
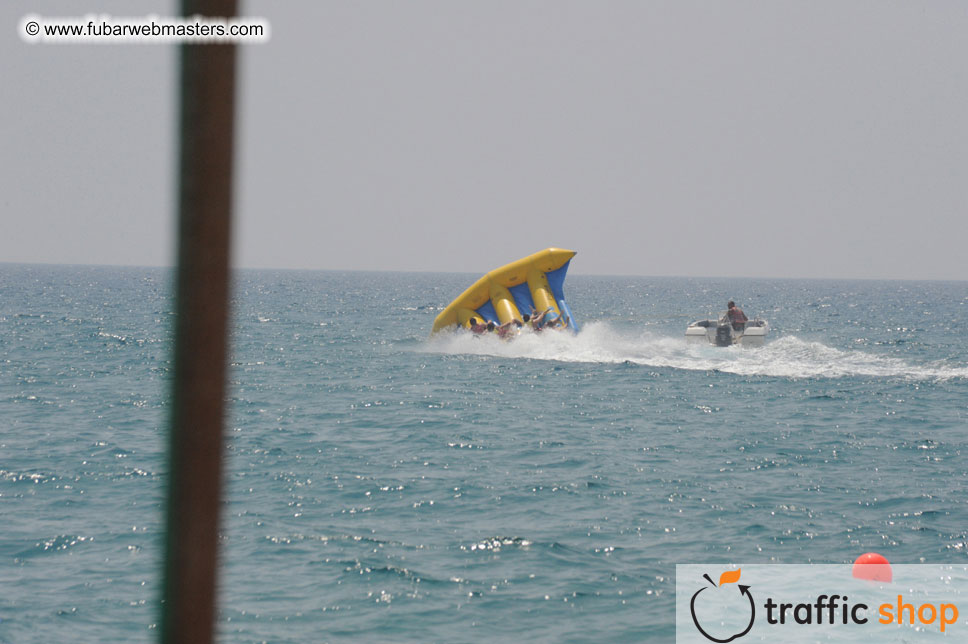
[774,138]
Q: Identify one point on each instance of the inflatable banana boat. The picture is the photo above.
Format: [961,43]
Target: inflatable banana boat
[532,283]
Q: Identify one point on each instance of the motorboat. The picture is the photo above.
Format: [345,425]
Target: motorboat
[721,333]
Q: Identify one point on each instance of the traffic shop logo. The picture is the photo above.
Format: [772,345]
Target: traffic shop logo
[739,603]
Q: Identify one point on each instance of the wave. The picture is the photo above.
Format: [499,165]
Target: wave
[783,357]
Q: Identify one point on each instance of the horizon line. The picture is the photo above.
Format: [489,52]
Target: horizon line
[429,271]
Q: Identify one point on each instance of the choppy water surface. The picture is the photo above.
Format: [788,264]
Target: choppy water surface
[383,486]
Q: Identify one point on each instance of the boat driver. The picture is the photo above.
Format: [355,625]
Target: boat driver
[736,316]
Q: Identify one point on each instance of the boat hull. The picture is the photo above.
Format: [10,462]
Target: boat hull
[722,334]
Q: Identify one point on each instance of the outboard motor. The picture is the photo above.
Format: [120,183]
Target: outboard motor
[724,336]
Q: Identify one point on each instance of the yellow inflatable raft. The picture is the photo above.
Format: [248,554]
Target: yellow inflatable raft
[507,293]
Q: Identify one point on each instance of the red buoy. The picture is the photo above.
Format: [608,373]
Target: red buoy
[873,567]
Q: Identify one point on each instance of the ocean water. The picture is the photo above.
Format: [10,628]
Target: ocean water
[383,486]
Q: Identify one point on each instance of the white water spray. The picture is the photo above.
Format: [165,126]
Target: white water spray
[784,357]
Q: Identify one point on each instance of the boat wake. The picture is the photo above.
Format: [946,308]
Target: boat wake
[784,357]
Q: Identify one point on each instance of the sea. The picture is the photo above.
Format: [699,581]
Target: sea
[382,485]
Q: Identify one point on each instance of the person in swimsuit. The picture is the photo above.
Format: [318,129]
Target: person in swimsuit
[548,318]
[477,326]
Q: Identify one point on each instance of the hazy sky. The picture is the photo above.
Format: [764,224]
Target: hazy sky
[771,139]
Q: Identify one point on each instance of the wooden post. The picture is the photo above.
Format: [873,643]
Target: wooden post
[207,118]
